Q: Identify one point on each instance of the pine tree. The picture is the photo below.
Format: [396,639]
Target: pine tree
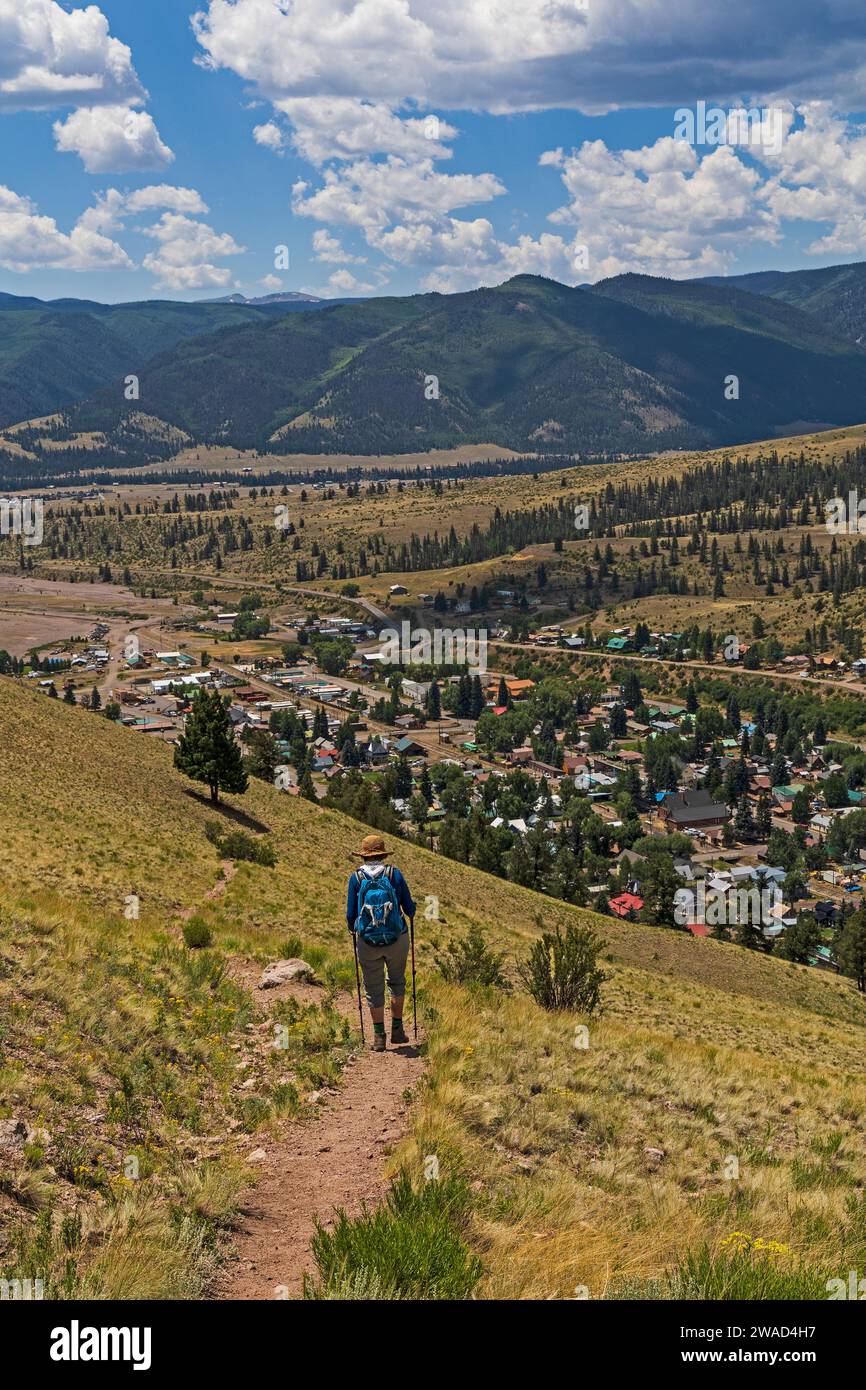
[263,756]
[207,751]
[434,701]
[306,786]
[402,778]
[425,786]
[477,697]
[850,949]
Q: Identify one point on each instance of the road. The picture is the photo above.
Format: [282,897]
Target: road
[822,682]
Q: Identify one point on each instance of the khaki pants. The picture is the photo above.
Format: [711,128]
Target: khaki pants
[375,961]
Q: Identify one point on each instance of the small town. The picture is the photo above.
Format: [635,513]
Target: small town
[721,821]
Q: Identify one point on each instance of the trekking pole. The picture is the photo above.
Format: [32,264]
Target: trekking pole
[358,981]
[414,1005]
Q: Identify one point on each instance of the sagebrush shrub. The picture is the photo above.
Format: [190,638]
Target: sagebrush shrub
[562,970]
[468,960]
[197,933]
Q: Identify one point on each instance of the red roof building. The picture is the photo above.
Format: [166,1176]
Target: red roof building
[625,904]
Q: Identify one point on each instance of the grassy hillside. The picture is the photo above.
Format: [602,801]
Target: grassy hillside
[120,1042]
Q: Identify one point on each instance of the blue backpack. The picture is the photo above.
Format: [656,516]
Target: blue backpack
[379,921]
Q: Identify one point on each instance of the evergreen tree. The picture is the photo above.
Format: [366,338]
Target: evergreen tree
[306,786]
[618,723]
[207,751]
[800,940]
[477,697]
[763,817]
[402,779]
[263,756]
[743,822]
[425,786]
[631,691]
[850,948]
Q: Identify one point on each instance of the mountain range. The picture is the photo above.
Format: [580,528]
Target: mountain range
[632,364]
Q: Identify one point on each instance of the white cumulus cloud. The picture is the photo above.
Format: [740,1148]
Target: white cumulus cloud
[661,210]
[187,252]
[29,241]
[55,57]
[112,139]
[328,248]
[52,56]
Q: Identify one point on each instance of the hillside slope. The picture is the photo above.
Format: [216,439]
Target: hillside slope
[835,295]
[52,354]
[633,364]
[703,1051]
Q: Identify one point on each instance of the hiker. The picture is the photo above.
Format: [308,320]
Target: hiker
[377,911]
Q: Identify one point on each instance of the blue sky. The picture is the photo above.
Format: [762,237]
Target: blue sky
[144,153]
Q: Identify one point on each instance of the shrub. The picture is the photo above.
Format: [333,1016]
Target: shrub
[410,1248]
[468,960]
[237,844]
[196,932]
[562,971]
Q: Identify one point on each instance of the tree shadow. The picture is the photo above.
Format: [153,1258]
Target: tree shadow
[222,808]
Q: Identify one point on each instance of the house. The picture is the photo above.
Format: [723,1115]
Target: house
[517,689]
[520,756]
[374,752]
[415,690]
[619,644]
[409,748]
[693,808]
[625,904]
[517,827]
[408,721]
[628,856]
[573,762]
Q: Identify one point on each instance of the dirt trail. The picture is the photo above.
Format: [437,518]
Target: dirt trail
[333,1159]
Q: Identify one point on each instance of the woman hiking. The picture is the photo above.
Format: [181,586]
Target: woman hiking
[378,909]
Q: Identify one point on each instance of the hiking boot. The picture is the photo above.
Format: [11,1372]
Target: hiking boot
[378,1043]
[398,1032]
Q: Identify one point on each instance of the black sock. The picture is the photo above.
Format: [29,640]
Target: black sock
[378,1027]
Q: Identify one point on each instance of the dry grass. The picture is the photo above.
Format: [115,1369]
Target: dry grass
[557,1137]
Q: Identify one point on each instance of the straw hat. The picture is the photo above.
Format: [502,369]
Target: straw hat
[372,847]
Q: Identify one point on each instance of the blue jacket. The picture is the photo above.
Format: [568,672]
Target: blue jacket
[401,887]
